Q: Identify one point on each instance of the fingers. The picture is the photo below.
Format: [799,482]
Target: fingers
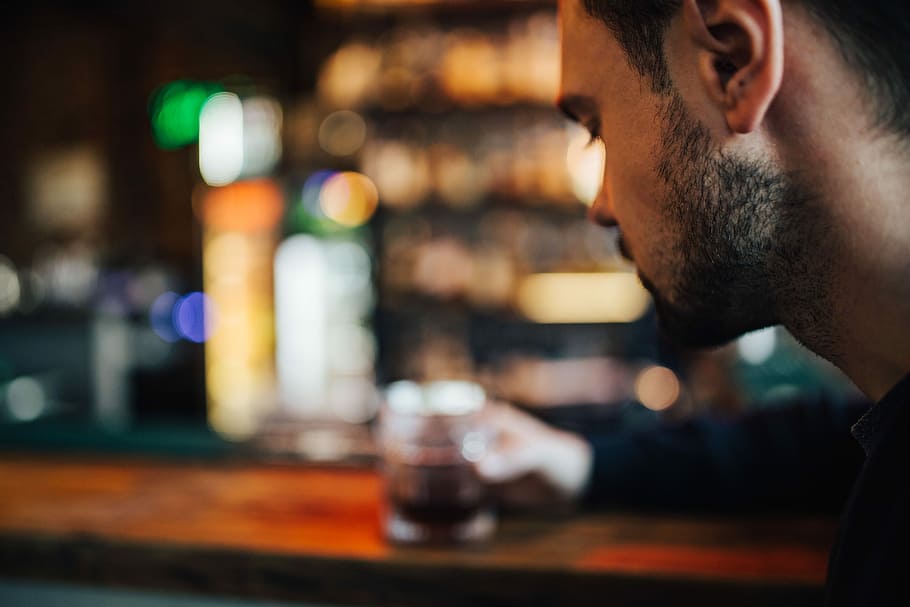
[525,446]
[507,463]
[514,450]
[507,418]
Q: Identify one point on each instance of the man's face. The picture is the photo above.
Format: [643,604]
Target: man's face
[709,231]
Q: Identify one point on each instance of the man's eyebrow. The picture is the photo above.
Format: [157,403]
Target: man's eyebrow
[576,106]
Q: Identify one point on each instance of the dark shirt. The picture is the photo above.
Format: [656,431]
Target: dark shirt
[870,563]
[798,457]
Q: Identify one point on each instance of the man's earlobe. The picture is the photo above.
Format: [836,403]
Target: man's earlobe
[740,55]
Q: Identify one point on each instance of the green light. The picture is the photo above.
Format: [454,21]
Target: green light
[174,111]
[299,220]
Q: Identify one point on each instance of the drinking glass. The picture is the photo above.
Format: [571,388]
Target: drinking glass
[430,437]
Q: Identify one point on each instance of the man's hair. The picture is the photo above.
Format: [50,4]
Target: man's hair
[873,37]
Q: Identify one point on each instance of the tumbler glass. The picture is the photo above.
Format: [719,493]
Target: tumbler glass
[430,438]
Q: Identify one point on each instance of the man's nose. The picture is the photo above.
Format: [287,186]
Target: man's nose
[601,212]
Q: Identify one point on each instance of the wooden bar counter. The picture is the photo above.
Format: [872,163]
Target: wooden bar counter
[313,534]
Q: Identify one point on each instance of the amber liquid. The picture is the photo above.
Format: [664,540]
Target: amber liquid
[437,497]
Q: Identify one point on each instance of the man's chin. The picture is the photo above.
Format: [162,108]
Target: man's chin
[700,326]
[695,329]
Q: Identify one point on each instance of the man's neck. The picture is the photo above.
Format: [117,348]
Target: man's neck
[850,299]
[862,323]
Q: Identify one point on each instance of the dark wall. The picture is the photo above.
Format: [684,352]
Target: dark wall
[82,73]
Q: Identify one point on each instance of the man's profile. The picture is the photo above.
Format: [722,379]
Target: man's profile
[758,164]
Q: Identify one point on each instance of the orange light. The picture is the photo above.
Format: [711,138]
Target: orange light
[657,388]
[349,199]
[608,297]
[244,206]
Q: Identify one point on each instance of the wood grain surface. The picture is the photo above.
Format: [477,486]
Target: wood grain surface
[314,534]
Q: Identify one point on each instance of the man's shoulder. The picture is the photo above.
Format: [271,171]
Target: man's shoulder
[872,556]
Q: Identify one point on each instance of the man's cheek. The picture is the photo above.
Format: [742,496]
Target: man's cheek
[632,199]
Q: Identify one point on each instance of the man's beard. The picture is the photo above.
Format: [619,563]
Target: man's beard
[736,244]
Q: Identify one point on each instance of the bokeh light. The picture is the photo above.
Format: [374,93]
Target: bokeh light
[474,446]
[453,397]
[585,161]
[26,399]
[352,349]
[404,397]
[757,347]
[612,297]
[342,133]
[471,67]
[221,139]
[227,257]
[161,315]
[461,181]
[301,311]
[10,287]
[246,206]
[352,399]
[174,111]
[349,75]
[657,388]
[349,198]
[262,119]
[401,173]
[351,269]
[193,317]
[325,353]
[312,188]
[238,285]
[33,291]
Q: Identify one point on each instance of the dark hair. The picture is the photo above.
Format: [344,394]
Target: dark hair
[873,37]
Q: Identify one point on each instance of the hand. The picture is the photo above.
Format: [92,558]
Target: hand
[531,464]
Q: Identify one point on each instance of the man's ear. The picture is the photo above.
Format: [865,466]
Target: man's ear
[740,54]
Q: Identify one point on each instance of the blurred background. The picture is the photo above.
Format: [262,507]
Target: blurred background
[225,224]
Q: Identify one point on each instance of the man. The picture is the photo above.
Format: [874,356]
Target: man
[758,164]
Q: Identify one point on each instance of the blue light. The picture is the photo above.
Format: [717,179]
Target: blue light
[192,317]
[312,188]
[161,314]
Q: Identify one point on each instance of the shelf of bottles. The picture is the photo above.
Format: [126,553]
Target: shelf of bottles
[481,249]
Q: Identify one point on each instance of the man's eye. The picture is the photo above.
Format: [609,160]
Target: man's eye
[594,134]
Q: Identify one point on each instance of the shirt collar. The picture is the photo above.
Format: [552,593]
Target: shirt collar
[870,427]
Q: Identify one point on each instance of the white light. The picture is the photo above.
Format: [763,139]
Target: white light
[352,349]
[757,347]
[71,274]
[437,398]
[583,298]
[585,161]
[261,135]
[221,139]
[350,287]
[474,446]
[352,399]
[405,397]
[10,287]
[26,399]
[301,286]
[454,397]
